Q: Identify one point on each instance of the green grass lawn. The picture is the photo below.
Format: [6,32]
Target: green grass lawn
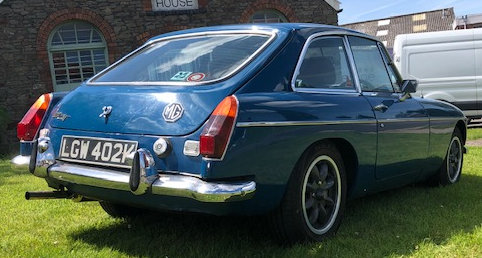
[474,133]
[413,221]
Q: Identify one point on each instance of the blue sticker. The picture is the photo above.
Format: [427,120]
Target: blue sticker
[180,76]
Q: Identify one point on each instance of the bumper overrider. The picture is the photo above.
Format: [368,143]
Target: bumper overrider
[142,179]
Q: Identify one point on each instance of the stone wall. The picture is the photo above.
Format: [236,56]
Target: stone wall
[25,27]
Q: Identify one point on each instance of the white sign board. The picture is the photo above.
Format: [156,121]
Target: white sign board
[174,5]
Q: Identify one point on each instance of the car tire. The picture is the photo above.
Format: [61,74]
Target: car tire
[116,210]
[315,198]
[451,168]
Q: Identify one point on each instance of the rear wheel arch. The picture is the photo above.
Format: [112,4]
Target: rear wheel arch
[348,155]
[315,198]
[463,129]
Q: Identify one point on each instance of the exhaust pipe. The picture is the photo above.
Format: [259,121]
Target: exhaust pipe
[47,195]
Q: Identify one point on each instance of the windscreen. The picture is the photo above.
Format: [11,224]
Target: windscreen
[190,59]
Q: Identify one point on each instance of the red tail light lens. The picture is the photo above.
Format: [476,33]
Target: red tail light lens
[28,127]
[215,136]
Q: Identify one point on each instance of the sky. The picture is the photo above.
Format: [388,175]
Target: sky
[362,10]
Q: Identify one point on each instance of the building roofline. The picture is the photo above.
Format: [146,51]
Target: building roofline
[397,16]
[335,4]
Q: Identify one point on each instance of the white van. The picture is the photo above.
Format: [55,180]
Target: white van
[447,65]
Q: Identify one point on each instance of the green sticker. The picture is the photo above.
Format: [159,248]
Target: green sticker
[180,76]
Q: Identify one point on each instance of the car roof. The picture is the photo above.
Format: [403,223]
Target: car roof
[308,28]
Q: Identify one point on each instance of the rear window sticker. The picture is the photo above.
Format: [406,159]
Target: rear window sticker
[180,76]
[196,77]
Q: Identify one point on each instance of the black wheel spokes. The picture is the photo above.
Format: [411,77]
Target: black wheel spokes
[310,201]
[320,194]
[327,184]
[314,214]
[329,201]
[323,171]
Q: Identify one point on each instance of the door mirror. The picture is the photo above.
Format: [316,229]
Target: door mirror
[409,86]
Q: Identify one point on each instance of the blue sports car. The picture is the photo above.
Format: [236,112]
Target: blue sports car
[289,120]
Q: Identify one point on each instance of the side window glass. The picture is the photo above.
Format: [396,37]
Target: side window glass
[392,72]
[370,65]
[325,66]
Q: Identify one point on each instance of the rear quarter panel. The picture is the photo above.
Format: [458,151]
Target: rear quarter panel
[269,153]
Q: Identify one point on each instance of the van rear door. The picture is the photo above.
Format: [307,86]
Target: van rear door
[478,68]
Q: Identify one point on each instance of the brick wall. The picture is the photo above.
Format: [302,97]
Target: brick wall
[25,27]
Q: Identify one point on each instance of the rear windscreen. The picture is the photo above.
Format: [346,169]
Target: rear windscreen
[190,59]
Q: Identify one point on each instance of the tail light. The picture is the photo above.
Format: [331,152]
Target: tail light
[215,136]
[28,127]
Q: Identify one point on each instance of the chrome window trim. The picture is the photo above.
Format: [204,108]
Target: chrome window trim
[386,63]
[343,35]
[327,91]
[272,35]
[304,123]
[352,64]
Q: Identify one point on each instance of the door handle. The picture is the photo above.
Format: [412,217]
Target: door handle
[381,107]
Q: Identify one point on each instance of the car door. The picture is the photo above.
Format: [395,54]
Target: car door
[403,125]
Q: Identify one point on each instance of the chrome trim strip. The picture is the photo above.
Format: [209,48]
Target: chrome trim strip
[347,50]
[327,91]
[368,121]
[165,184]
[272,35]
[303,123]
[399,120]
[351,61]
[447,119]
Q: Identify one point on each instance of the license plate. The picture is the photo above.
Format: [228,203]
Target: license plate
[97,151]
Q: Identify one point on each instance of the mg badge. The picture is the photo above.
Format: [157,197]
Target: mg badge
[172,112]
[106,110]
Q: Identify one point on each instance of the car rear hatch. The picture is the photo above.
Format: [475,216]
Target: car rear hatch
[167,87]
[137,110]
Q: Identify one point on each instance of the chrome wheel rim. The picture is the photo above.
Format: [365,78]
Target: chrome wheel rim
[321,194]
[454,159]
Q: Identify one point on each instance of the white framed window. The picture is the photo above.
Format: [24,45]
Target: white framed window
[383,23]
[77,51]
[268,16]
[382,33]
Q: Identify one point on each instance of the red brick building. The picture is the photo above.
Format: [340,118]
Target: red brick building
[48,45]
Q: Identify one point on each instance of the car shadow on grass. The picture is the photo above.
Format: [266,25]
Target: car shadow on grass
[390,223]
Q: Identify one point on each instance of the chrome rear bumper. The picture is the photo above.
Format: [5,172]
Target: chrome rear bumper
[164,184]
[143,178]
